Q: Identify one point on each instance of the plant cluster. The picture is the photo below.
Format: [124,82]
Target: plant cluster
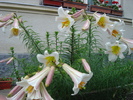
[80,60]
[114,5]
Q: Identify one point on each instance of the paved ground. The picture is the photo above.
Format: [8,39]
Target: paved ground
[3,94]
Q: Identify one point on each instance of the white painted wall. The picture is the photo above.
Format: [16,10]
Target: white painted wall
[42,23]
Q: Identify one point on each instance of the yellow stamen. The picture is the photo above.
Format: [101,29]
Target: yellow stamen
[50,60]
[66,23]
[15,31]
[30,89]
[81,85]
[115,49]
[102,22]
[115,33]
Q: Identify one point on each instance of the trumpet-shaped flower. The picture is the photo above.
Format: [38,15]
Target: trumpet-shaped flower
[48,59]
[129,44]
[114,50]
[33,83]
[116,29]
[35,95]
[15,30]
[65,20]
[45,94]
[102,21]
[79,79]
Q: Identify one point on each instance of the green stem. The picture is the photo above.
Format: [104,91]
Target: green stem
[23,27]
[72,44]
[47,38]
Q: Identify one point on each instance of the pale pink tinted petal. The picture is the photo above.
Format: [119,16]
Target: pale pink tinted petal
[50,76]
[40,58]
[45,94]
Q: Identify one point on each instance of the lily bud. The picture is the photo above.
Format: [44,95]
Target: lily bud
[6,17]
[86,66]
[9,61]
[14,91]
[86,25]
[78,15]
[50,76]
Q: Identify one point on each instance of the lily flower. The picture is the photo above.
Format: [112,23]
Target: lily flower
[79,79]
[6,17]
[50,76]
[33,83]
[115,50]
[65,21]
[129,44]
[86,25]
[15,30]
[116,29]
[102,21]
[78,15]
[35,95]
[18,96]
[45,94]
[48,59]
[86,65]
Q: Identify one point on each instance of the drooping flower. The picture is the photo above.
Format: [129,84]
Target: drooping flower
[114,50]
[15,30]
[79,79]
[116,29]
[129,44]
[102,21]
[65,21]
[33,83]
[45,94]
[48,59]
[86,25]
[35,95]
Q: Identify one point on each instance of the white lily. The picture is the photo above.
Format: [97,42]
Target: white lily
[45,94]
[129,44]
[33,83]
[65,20]
[48,59]
[114,50]
[102,21]
[15,30]
[116,29]
[79,79]
[35,95]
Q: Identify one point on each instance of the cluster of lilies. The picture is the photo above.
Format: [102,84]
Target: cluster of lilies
[32,88]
